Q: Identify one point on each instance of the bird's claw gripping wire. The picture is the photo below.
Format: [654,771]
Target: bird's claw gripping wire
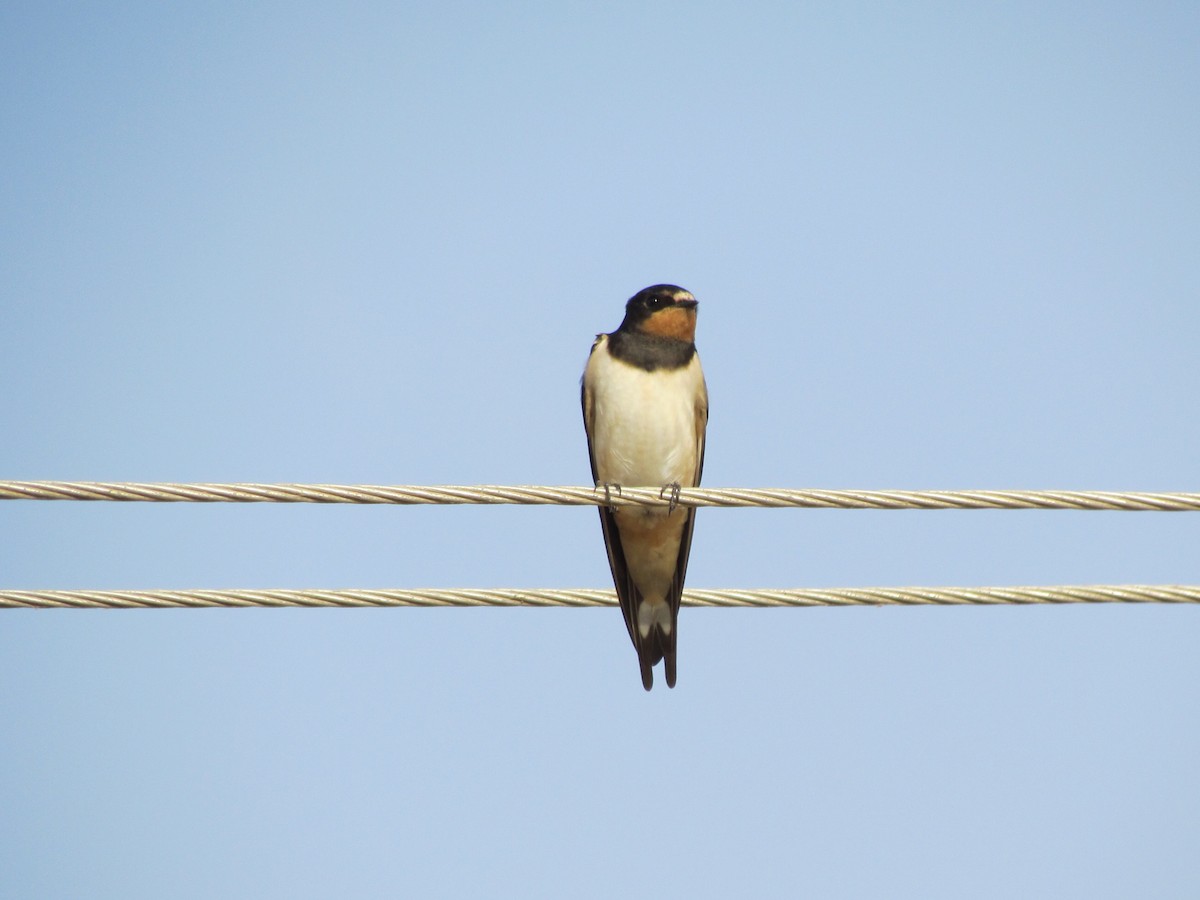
[674,501]
[608,487]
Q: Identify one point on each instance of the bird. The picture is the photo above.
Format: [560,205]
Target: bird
[645,411]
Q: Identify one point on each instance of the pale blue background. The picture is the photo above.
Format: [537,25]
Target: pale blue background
[935,247]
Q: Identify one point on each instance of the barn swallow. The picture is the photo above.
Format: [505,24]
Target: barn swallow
[645,408]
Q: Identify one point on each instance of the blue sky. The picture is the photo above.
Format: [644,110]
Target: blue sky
[934,247]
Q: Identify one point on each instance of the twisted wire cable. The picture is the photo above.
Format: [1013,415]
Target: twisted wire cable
[437,597]
[166,492]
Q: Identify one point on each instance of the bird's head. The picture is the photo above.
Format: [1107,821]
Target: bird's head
[663,310]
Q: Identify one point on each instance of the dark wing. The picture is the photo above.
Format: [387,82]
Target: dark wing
[685,545]
[627,593]
[630,598]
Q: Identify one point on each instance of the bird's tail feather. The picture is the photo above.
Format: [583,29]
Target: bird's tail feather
[653,648]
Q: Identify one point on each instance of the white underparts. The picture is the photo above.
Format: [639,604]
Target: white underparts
[644,433]
[644,422]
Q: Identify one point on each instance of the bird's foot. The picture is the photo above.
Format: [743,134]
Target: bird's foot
[673,487]
[608,488]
